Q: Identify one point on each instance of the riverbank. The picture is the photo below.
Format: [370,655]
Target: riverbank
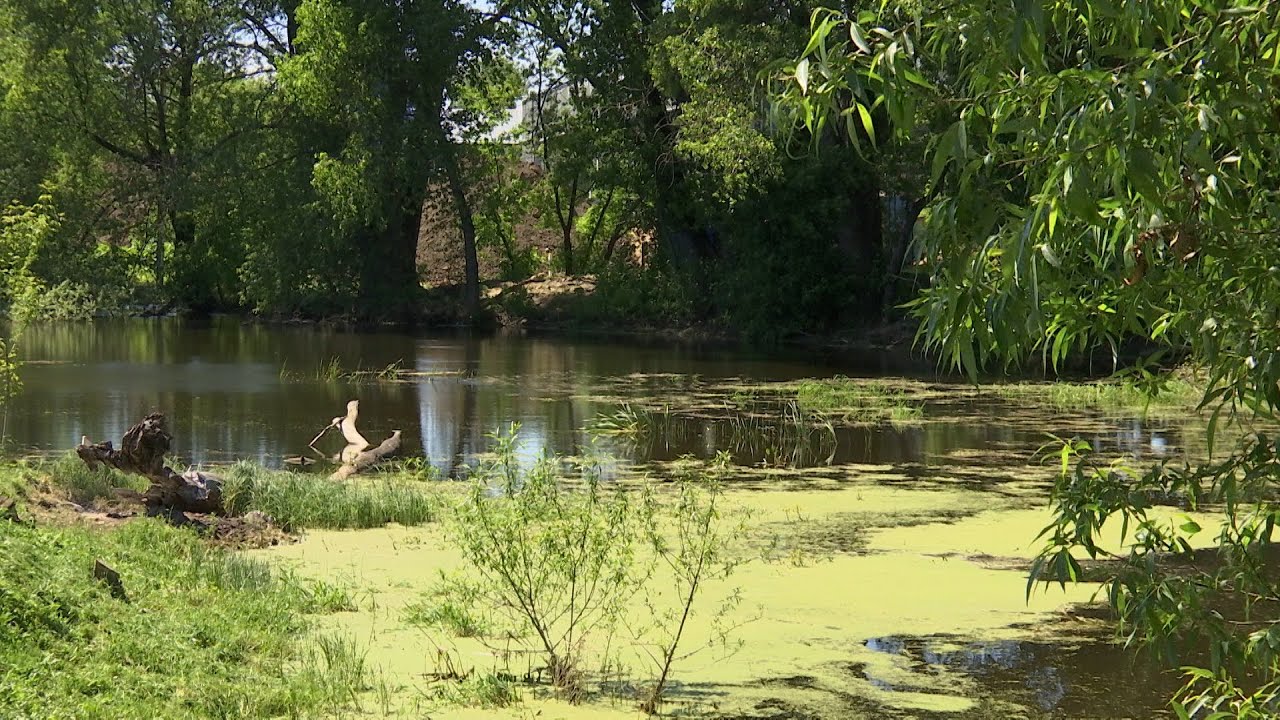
[862,590]
[880,529]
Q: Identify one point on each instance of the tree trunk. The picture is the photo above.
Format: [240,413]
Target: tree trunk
[860,236]
[462,210]
[142,453]
[902,212]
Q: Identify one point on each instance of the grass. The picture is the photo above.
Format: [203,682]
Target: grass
[491,690]
[858,399]
[205,633]
[83,486]
[298,501]
[626,421]
[1177,393]
[332,371]
[450,605]
[295,501]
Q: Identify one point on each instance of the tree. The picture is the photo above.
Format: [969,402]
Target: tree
[392,80]
[1107,172]
[147,84]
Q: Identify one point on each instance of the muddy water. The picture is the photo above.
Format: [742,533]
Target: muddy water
[894,586]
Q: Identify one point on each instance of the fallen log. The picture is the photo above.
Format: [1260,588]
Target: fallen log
[367,458]
[141,452]
[357,455]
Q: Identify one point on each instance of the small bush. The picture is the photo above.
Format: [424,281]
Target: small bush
[557,561]
[561,556]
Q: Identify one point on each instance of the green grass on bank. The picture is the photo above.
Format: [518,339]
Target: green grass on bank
[205,632]
[298,501]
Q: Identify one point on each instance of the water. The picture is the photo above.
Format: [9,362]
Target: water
[242,391]
[233,390]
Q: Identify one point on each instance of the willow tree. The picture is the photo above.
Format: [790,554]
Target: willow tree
[1101,171]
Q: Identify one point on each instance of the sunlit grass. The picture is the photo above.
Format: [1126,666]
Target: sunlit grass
[1176,393]
[859,400]
[83,486]
[332,371]
[297,501]
[204,632]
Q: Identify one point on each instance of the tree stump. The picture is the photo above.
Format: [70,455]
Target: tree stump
[141,452]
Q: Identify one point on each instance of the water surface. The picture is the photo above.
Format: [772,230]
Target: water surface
[235,390]
[917,509]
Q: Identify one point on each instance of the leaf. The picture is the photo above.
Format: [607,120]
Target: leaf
[855,34]
[802,75]
[942,154]
[916,78]
[1141,172]
[867,123]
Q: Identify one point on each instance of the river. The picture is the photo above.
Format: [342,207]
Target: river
[937,505]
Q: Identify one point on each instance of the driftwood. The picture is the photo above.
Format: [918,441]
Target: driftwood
[357,455]
[142,453]
[367,458]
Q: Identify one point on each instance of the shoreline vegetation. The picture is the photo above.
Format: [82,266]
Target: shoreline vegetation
[590,596]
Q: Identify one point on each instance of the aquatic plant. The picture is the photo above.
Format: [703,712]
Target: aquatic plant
[626,421]
[206,632]
[450,605]
[330,370]
[297,501]
[858,400]
[489,690]
[1172,394]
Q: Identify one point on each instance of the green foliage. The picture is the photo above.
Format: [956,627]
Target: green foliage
[1099,173]
[560,555]
[860,400]
[626,294]
[298,501]
[558,561]
[10,367]
[785,271]
[451,605]
[206,633]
